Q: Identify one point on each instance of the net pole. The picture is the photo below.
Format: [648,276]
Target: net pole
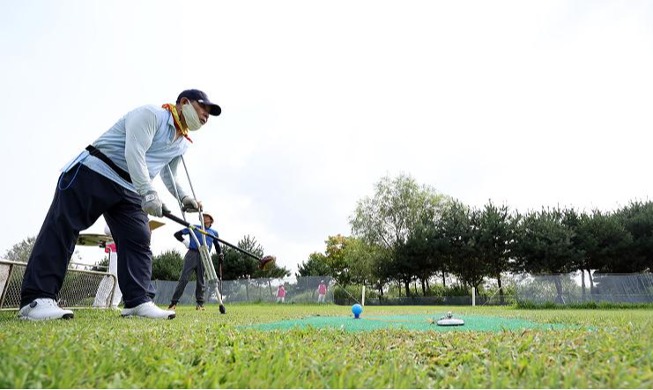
[363,296]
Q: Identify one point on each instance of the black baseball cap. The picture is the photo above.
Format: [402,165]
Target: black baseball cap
[200,97]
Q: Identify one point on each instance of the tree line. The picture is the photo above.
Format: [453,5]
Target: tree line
[236,265]
[408,233]
[169,264]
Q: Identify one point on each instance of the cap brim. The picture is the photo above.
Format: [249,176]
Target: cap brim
[215,110]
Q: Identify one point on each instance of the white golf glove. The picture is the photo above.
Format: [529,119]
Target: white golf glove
[190,204]
[152,205]
[186,242]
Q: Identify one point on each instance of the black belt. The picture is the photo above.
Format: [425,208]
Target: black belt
[121,172]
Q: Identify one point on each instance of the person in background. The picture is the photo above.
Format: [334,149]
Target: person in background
[106,285]
[281,294]
[113,177]
[193,263]
[321,292]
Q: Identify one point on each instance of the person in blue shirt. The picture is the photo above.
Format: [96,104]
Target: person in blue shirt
[113,178]
[193,262]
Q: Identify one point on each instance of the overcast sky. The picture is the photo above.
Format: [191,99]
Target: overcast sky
[526,103]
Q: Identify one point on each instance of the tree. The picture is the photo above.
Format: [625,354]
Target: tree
[359,257]
[276,272]
[381,267]
[544,244]
[102,265]
[411,261]
[387,219]
[459,226]
[604,240]
[335,258]
[335,262]
[167,266]
[316,265]
[21,251]
[495,236]
[237,265]
[637,219]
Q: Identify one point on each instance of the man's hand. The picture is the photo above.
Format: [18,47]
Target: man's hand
[152,205]
[190,204]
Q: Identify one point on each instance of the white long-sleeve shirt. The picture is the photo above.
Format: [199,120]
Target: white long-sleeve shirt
[143,144]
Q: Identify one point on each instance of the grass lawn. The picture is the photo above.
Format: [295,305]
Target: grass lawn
[98,349]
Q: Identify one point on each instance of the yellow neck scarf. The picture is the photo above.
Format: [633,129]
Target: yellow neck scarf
[178,125]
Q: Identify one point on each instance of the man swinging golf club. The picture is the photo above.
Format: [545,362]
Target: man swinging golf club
[193,262]
[113,177]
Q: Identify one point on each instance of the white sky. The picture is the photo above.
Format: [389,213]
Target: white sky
[526,103]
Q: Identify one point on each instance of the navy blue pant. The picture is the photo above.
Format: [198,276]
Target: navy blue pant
[82,195]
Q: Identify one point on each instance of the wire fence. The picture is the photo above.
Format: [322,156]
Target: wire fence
[301,290]
[80,288]
[84,288]
[575,288]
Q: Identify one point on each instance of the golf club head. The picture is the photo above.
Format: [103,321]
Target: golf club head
[222,309]
[266,262]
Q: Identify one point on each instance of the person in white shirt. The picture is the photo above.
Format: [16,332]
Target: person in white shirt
[113,177]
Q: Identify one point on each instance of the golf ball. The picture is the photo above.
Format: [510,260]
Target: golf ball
[357,310]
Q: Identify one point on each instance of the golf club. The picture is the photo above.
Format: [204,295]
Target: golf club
[263,261]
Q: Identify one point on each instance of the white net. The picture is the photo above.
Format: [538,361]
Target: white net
[81,288]
[580,288]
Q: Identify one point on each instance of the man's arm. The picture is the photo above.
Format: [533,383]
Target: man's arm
[218,248]
[140,127]
[180,236]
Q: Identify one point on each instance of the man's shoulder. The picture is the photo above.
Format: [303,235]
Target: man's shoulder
[152,110]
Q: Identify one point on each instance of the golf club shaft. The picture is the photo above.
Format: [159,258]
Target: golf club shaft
[168,215]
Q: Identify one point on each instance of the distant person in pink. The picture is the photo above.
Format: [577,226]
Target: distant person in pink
[321,292]
[281,294]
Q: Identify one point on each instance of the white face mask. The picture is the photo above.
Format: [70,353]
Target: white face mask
[192,119]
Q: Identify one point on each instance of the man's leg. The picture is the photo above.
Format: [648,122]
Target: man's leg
[130,230]
[200,284]
[85,195]
[189,266]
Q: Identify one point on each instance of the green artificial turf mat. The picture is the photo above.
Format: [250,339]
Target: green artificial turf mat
[416,322]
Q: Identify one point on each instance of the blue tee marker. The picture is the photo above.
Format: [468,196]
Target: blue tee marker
[357,310]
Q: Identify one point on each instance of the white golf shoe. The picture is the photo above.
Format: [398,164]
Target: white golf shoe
[148,310]
[44,309]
